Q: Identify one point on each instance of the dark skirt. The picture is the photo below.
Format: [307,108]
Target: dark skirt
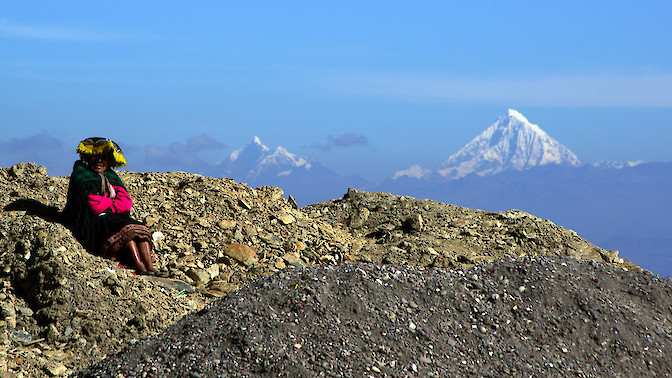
[108,234]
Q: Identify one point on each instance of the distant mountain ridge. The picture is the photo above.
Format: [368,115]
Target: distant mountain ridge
[513,164]
[617,164]
[302,177]
[511,143]
[255,161]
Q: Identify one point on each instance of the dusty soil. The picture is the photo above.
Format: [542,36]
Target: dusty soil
[62,309]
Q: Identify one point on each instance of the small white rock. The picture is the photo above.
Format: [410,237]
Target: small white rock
[158,236]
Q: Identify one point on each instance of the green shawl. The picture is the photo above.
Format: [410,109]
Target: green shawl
[84,181]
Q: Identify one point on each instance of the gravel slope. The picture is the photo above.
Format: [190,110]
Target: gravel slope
[529,316]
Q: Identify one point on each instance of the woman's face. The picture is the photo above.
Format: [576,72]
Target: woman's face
[99,163]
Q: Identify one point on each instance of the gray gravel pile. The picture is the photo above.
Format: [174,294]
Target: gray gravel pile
[524,317]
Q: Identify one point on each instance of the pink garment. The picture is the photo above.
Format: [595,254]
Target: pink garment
[120,204]
[122,201]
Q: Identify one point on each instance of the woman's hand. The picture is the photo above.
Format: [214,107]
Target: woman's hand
[110,189]
[122,202]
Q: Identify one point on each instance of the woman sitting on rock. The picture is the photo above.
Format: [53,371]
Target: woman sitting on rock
[98,208]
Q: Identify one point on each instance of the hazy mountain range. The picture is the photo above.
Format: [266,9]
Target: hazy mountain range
[305,179]
[512,164]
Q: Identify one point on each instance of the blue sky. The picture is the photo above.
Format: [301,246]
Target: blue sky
[363,87]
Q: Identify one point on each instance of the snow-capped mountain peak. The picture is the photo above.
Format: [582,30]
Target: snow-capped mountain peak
[304,178]
[511,113]
[255,147]
[283,157]
[255,160]
[416,171]
[511,143]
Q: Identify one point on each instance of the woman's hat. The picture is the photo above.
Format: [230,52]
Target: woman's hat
[100,146]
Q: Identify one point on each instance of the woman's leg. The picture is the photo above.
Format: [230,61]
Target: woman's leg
[146,255]
[132,248]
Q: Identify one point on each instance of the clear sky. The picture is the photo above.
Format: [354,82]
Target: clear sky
[364,87]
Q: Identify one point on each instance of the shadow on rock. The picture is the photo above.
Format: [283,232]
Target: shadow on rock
[37,208]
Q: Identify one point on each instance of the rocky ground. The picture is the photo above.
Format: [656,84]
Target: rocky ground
[367,284]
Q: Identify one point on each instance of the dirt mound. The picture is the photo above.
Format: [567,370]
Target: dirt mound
[530,316]
[62,308]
